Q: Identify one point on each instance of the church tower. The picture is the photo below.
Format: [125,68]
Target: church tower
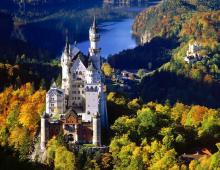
[65,63]
[94,50]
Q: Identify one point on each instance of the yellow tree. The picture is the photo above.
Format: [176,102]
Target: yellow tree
[107,69]
[64,159]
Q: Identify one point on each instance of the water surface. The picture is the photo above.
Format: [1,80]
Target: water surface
[116,37]
[45,28]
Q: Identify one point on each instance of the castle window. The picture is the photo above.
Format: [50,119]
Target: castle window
[52,104]
[80,73]
[78,98]
[78,92]
[78,85]
[83,92]
[52,99]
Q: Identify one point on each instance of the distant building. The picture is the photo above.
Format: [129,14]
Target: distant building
[145,38]
[192,54]
[78,108]
[125,74]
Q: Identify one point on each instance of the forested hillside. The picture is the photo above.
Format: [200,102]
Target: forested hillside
[166,18]
[169,20]
[155,135]
[173,25]
[149,56]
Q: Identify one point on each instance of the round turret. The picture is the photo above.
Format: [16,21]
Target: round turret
[43,132]
[96,124]
[94,38]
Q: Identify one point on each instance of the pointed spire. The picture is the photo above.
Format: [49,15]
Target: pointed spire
[94,22]
[75,44]
[91,67]
[67,47]
[54,85]
[94,25]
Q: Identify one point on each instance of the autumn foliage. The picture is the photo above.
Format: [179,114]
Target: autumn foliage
[20,112]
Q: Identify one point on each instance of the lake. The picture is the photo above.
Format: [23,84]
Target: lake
[116,37]
[46,28]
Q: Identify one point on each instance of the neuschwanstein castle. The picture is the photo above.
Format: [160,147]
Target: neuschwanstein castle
[78,108]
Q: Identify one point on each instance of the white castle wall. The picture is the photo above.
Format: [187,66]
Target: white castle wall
[77,92]
[92,102]
[55,102]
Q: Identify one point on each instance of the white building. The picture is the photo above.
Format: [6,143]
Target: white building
[192,54]
[81,96]
[193,49]
[55,101]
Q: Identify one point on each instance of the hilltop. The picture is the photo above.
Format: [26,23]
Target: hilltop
[182,23]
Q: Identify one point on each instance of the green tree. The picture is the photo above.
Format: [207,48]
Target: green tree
[125,125]
[64,159]
[162,158]
[147,118]
[52,145]
[134,104]
[141,73]
[59,80]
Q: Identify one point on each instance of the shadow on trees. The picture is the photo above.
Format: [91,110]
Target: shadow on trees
[9,160]
[163,86]
[149,56]
[27,72]
[13,43]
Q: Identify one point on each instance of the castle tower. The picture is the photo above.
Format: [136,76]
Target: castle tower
[92,75]
[43,133]
[94,50]
[96,127]
[92,101]
[65,63]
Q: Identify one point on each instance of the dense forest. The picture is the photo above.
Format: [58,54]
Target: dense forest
[144,136]
[185,89]
[176,80]
[174,124]
[182,23]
